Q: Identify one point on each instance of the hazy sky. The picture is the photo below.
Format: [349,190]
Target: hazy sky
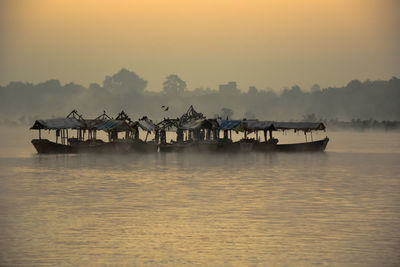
[264,43]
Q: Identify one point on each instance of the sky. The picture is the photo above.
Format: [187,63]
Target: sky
[262,43]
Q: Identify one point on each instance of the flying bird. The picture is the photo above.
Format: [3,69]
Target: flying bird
[164,108]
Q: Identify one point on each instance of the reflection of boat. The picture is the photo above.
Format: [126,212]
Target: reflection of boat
[194,133]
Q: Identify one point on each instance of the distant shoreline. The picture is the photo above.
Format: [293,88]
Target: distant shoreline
[331,125]
[362,125]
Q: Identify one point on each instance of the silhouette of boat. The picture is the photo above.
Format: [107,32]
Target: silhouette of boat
[194,133]
[78,144]
[312,146]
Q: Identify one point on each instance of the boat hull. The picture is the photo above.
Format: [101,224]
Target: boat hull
[314,146]
[209,146]
[44,146]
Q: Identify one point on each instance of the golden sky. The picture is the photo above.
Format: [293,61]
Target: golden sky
[266,43]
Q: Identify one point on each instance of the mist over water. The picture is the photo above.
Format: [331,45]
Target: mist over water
[338,208]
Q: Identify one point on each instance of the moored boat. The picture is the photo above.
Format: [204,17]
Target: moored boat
[194,133]
[63,128]
[45,146]
[313,146]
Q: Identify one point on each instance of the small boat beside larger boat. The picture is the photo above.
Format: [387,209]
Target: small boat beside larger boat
[194,133]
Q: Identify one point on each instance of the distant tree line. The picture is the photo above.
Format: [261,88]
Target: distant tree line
[373,103]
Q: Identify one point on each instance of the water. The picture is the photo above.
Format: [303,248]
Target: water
[339,208]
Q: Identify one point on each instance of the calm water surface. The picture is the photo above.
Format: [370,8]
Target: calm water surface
[338,208]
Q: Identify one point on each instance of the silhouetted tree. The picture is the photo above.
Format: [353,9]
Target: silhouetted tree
[22,102]
[315,88]
[226,113]
[125,81]
[174,85]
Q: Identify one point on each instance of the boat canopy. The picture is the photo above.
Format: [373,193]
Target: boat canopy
[190,116]
[147,125]
[198,124]
[59,123]
[168,124]
[256,125]
[113,125]
[300,126]
[228,124]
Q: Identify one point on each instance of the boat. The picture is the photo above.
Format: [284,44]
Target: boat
[313,146]
[271,144]
[305,127]
[194,133]
[44,146]
[63,128]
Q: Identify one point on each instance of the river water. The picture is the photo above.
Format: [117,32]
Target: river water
[338,208]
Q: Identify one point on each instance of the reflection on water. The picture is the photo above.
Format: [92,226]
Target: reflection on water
[334,209]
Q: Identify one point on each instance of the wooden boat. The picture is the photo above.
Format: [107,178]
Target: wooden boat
[313,146]
[306,127]
[45,146]
[78,144]
[241,146]
[195,133]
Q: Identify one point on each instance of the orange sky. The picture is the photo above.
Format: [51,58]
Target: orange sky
[207,42]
